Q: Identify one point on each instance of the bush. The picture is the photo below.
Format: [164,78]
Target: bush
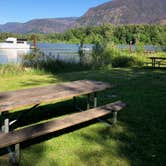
[107,54]
[33,59]
[140,47]
[97,54]
[103,53]
[126,61]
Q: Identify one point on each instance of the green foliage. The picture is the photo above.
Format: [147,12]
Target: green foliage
[126,61]
[39,62]
[98,58]
[140,47]
[119,34]
[33,59]
[108,54]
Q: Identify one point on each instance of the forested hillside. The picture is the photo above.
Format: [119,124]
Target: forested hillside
[147,34]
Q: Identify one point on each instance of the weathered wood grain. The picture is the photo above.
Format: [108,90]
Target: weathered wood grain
[27,97]
[27,133]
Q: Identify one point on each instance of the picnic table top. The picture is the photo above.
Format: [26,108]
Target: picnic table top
[54,92]
[162,58]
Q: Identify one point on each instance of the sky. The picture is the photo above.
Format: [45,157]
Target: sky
[25,10]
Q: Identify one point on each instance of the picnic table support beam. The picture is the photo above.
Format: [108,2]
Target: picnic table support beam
[95,99]
[95,105]
[74,103]
[17,153]
[15,122]
[115,114]
[14,157]
[88,101]
[75,106]
[158,63]
[5,127]
[154,61]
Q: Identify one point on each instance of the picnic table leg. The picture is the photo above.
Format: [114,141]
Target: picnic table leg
[115,114]
[88,102]
[75,106]
[95,105]
[6,130]
[17,153]
[158,63]
[95,99]
[5,127]
[16,122]
[74,103]
[153,63]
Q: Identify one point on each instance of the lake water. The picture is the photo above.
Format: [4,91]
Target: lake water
[61,51]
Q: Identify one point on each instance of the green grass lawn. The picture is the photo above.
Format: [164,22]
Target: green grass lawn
[137,140]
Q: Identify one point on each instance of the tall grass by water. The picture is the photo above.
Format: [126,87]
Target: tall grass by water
[104,55]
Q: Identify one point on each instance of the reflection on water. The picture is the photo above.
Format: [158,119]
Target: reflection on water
[12,55]
[61,51]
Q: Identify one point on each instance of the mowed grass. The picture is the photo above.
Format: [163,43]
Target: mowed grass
[137,140]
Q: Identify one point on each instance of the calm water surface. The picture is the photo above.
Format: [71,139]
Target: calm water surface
[65,52]
[61,51]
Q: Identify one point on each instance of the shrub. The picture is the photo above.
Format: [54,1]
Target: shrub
[97,54]
[32,59]
[103,53]
[140,47]
[126,61]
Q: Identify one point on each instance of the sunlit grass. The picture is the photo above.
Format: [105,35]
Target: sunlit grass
[138,139]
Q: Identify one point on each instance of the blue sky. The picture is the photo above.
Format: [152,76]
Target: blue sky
[25,10]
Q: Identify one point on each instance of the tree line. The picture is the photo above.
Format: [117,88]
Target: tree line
[118,34]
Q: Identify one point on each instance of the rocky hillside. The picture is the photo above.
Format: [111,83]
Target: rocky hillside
[114,12]
[125,12]
[40,25]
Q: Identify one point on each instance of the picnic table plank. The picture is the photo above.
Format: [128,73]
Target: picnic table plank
[27,133]
[56,92]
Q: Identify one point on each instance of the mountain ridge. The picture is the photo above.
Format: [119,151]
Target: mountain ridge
[125,12]
[44,25]
[112,12]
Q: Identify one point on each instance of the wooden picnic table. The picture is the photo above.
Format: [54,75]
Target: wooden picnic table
[46,94]
[56,92]
[156,60]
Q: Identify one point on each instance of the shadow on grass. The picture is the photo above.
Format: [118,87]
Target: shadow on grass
[139,137]
[143,141]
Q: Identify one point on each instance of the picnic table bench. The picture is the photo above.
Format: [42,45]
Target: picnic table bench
[157,61]
[51,93]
